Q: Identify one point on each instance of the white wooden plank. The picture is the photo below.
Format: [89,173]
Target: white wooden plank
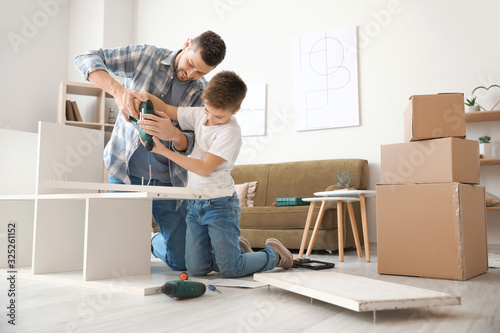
[167,192]
[344,199]
[147,284]
[18,167]
[346,193]
[68,153]
[20,212]
[84,196]
[58,236]
[18,197]
[117,238]
[354,292]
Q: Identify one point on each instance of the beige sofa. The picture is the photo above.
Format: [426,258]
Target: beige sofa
[297,179]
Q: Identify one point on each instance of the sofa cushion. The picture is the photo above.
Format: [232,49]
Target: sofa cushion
[302,179]
[287,217]
[246,193]
[248,173]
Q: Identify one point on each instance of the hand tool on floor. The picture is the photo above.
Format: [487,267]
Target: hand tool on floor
[182,288]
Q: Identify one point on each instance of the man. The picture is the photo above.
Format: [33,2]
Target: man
[177,79]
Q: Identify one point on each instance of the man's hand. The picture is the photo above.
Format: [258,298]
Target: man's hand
[124,97]
[128,101]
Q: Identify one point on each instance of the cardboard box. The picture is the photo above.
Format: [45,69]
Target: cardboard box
[434,116]
[432,230]
[443,160]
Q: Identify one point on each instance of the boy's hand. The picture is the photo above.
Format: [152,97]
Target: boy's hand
[160,126]
[158,148]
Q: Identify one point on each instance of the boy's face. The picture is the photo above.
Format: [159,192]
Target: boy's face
[189,65]
[216,116]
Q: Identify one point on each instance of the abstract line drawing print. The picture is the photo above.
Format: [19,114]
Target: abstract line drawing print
[326,80]
[252,115]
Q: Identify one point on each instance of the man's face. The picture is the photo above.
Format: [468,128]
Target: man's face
[190,66]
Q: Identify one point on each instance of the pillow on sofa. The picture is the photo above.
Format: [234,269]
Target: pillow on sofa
[491,200]
[246,193]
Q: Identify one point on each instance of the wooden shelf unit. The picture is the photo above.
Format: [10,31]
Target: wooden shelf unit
[489,161]
[480,116]
[84,89]
[485,116]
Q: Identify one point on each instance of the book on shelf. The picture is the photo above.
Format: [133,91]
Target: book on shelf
[70,115]
[78,116]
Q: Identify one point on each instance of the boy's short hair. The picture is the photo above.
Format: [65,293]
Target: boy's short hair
[211,46]
[225,91]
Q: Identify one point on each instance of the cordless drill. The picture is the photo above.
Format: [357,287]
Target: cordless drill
[144,108]
[182,288]
[147,108]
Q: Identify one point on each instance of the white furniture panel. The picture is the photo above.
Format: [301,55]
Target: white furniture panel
[118,238]
[58,236]
[18,166]
[20,212]
[355,293]
[68,153]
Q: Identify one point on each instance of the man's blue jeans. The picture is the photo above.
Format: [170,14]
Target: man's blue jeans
[169,245]
[212,240]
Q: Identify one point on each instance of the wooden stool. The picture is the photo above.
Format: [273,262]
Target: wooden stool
[340,224]
[361,194]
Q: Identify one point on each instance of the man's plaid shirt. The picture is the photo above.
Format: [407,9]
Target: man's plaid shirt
[144,67]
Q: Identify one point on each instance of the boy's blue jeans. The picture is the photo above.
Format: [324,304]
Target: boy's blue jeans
[212,240]
[169,245]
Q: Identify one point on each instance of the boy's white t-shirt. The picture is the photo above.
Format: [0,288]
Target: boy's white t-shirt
[220,140]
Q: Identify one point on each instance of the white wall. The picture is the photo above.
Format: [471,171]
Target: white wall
[98,23]
[34,51]
[86,26]
[405,48]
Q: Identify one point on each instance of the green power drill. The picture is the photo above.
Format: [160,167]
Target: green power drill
[182,288]
[145,108]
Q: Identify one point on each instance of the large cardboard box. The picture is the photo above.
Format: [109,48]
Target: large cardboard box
[434,116]
[432,230]
[443,160]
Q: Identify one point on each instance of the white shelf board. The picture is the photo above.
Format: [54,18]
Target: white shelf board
[18,197]
[346,193]
[354,292]
[158,191]
[344,199]
[148,284]
[78,196]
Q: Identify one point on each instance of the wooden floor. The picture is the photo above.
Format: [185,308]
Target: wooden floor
[49,307]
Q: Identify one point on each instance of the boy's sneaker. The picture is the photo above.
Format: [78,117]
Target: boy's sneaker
[245,245]
[286,257]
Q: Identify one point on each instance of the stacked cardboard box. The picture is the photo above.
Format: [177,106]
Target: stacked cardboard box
[431,218]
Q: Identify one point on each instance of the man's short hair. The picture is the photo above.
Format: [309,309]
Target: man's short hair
[225,91]
[211,46]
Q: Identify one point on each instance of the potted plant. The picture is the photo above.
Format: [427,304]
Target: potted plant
[485,147]
[471,103]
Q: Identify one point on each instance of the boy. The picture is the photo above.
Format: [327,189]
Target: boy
[212,238]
